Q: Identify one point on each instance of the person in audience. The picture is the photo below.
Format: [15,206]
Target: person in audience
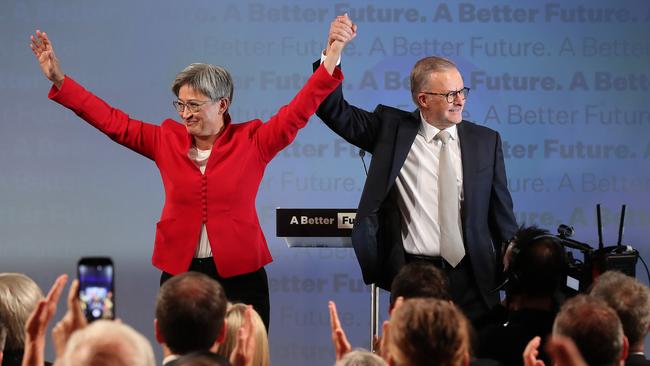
[419,280]
[360,357]
[631,301]
[427,332]
[202,358]
[19,296]
[105,342]
[190,312]
[73,351]
[234,319]
[595,328]
[535,274]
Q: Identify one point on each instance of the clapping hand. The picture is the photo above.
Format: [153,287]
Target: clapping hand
[36,325]
[339,339]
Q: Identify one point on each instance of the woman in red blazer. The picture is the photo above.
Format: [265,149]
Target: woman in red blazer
[211,168]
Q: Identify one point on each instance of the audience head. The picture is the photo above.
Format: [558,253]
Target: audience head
[428,332]
[234,320]
[190,311]
[360,357]
[202,358]
[107,343]
[631,301]
[419,280]
[538,264]
[19,296]
[595,329]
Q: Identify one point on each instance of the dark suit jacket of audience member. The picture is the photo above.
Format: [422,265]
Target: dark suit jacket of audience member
[637,360]
[505,342]
[15,358]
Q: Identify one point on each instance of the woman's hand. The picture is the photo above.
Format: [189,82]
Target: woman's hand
[42,48]
[342,31]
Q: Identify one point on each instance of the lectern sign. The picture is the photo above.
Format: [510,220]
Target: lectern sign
[315,227]
[314,222]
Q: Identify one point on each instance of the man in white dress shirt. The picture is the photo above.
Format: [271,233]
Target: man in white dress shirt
[436,189]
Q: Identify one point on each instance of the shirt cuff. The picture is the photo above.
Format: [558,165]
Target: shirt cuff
[323,57]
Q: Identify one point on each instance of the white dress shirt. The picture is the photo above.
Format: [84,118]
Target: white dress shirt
[417,188]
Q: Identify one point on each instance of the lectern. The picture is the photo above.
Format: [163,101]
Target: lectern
[324,228]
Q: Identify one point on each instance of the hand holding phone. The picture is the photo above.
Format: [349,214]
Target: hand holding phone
[96,287]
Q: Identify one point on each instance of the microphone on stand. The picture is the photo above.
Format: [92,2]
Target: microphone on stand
[362,154]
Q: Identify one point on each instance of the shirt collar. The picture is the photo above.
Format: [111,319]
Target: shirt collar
[170,358]
[428,131]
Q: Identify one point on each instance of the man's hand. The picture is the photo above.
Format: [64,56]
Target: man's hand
[342,31]
[36,326]
[531,352]
[73,320]
[244,351]
[42,48]
[339,339]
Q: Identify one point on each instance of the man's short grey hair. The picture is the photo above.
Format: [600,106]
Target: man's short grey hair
[594,327]
[631,301]
[422,71]
[361,357]
[212,81]
[19,296]
[106,342]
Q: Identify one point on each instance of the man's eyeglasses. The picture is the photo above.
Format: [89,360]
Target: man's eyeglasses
[192,106]
[451,96]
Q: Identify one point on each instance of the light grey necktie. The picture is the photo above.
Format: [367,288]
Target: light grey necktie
[451,242]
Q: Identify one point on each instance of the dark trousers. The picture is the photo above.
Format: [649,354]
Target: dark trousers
[250,288]
[462,286]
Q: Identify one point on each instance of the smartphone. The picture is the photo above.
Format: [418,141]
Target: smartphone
[97,287]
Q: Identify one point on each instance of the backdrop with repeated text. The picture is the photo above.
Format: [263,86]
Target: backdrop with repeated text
[565,84]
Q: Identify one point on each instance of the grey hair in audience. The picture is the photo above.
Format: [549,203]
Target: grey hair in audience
[107,342]
[631,301]
[594,327]
[19,296]
[361,357]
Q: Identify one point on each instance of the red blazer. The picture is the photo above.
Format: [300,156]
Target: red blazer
[224,197]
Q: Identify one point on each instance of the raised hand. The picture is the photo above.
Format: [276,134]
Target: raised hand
[531,352]
[73,320]
[42,48]
[342,31]
[244,352]
[339,339]
[37,323]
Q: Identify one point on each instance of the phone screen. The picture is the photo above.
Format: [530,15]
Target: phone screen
[96,290]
